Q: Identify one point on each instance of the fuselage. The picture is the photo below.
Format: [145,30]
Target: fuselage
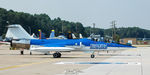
[70,42]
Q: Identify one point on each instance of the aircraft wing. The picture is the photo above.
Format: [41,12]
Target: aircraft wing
[47,47]
[5,43]
[52,49]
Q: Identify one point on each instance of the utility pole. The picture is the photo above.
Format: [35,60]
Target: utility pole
[94,28]
[113,30]
[90,30]
[76,29]
[62,27]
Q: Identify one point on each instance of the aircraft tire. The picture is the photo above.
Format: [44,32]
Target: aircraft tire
[59,55]
[21,52]
[45,54]
[55,55]
[92,56]
[30,53]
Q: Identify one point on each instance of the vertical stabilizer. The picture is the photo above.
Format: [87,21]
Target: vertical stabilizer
[17,32]
[73,36]
[33,36]
[52,35]
[80,36]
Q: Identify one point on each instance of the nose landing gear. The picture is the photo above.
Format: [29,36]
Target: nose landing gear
[92,56]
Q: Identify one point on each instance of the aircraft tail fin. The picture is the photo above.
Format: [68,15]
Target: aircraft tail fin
[80,36]
[73,36]
[52,34]
[41,35]
[17,32]
[33,36]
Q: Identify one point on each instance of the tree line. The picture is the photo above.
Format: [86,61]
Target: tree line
[33,22]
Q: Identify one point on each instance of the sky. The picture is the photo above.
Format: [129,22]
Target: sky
[126,13]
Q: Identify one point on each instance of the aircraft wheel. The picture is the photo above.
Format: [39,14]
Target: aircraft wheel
[21,52]
[92,56]
[56,55]
[59,55]
[30,53]
[45,54]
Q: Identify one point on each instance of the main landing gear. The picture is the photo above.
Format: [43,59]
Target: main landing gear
[30,53]
[57,55]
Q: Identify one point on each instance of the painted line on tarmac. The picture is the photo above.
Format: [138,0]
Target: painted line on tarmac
[132,50]
[29,64]
[128,63]
[23,65]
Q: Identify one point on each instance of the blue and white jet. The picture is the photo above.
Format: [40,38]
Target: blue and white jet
[63,45]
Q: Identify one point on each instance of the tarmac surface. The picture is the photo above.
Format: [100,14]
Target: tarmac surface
[127,62]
